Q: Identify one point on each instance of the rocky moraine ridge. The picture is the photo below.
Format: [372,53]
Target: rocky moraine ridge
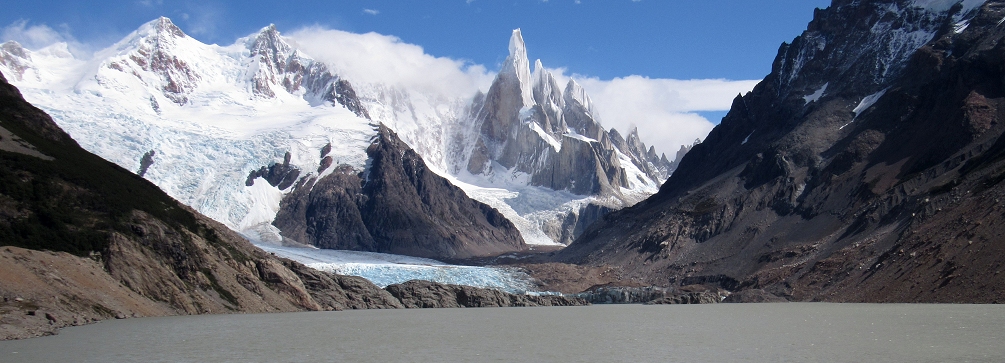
[866,166]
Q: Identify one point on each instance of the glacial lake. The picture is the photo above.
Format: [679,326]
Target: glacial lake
[787,332]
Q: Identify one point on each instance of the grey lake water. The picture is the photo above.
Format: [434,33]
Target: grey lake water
[787,332]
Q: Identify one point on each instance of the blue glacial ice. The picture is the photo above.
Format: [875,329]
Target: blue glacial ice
[386,269]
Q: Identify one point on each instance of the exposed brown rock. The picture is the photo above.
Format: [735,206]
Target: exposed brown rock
[425,294]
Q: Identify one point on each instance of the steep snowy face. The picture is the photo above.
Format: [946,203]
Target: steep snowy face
[168,59]
[274,63]
[15,58]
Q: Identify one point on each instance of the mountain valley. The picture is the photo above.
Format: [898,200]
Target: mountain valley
[166,176]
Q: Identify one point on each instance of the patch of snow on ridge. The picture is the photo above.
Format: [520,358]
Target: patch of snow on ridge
[386,269]
[816,95]
[867,102]
[943,5]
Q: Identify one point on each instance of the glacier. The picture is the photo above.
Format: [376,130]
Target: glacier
[384,269]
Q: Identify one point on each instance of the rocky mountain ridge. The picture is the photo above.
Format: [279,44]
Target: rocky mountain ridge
[863,168]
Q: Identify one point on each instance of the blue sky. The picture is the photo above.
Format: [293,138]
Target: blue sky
[658,65]
[681,39]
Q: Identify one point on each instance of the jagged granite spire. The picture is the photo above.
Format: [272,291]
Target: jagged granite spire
[518,65]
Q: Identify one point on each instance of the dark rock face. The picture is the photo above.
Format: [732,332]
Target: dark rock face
[647,295]
[753,296]
[881,186]
[145,162]
[425,294]
[575,223]
[327,213]
[687,298]
[397,206]
[281,176]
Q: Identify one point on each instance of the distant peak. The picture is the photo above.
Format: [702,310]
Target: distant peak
[164,26]
[576,93]
[14,48]
[517,65]
[538,67]
[271,29]
[517,48]
[269,41]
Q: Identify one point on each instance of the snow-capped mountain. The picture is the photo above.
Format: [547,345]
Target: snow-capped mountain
[526,124]
[207,122]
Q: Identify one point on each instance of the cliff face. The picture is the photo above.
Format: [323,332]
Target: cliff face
[395,206]
[865,167]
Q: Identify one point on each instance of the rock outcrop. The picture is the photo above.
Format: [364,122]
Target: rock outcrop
[650,295]
[395,206]
[865,167]
[753,296]
[425,294]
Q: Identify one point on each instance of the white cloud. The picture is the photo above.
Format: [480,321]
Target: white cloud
[39,36]
[202,19]
[383,59]
[35,36]
[371,11]
[664,110]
